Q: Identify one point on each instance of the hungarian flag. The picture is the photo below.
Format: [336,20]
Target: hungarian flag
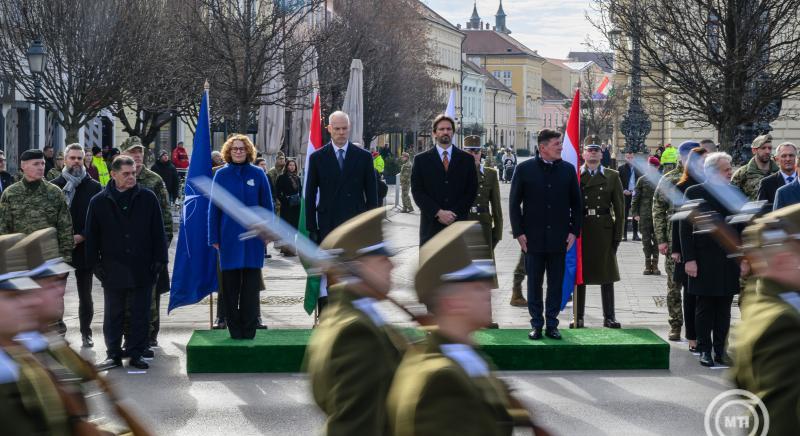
[314,144]
[604,90]
[573,271]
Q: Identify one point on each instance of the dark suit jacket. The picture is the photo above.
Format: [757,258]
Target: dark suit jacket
[768,186]
[787,195]
[625,172]
[78,209]
[545,205]
[342,194]
[434,189]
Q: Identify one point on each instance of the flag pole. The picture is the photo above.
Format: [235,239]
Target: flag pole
[575,297]
[206,87]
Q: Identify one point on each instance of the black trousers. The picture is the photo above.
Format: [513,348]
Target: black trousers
[689,310]
[241,298]
[634,223]
[139,300]
[713,315]
[83,277]
[536,264]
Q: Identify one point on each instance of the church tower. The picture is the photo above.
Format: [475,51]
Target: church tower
[500,20]
[475,20]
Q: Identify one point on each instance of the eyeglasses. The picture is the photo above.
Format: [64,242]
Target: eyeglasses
[238,149]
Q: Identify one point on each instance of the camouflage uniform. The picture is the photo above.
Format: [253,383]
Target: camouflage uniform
[53,174]
[405,186]
[273,175]
[642,206]
[26,207]
[662,226]
[519,271]
[748,177]
[152,181]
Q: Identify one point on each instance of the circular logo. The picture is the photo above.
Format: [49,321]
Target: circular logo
[736,412]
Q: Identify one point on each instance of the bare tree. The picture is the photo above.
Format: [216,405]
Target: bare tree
[389,36]
[724,63]
[88,45]
[241,45]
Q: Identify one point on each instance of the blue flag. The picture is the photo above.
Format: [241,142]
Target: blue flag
[195,273]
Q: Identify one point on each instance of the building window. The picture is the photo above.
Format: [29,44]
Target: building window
[503,76]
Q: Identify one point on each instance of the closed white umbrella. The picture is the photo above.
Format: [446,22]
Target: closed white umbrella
[272,115]
[301,118]
[354,102]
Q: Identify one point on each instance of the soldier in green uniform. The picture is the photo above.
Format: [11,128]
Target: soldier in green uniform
[353,353]
[662,227]
[642,212]
[405,182]
[445,386]
[146,178]
[603,225]
[56,170]
[519,276]
[748,178]
[766,348]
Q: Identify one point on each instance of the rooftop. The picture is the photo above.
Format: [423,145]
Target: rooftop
[603,60]
[489,42]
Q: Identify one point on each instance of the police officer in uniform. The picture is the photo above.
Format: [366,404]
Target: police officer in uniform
[445,386]
[353,353]
[603,224]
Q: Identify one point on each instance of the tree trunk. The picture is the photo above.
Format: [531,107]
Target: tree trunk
[244,117]
[71,134]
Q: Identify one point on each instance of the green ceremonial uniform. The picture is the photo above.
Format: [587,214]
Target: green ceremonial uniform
[748,177]
[351,360]
[662,227]
[487,209]
[603,221]
[766,353]
[642,206]
[405,186]
[29,206]
[447,389]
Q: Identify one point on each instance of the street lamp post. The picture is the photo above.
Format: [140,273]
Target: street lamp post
[37,62]
[635,123]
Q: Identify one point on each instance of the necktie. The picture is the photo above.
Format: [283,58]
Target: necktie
[789,179]
[445,161]
[341,158]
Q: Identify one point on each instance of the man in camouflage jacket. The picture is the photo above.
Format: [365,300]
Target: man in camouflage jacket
[642,211]
[748,177]
[405,182]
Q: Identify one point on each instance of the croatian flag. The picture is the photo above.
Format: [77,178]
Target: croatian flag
[573,271]
[314,144]
[604,90]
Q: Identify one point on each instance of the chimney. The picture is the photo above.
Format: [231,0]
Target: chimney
[487,26]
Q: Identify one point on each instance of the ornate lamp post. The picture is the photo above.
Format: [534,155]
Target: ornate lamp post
[635,123]
[37,62]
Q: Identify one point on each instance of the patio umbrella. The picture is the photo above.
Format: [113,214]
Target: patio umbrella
[271,115]
[354,102]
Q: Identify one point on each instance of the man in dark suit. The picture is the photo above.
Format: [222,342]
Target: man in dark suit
[787,195]
[786,156]
[444,182]
[546,216]
[628,174]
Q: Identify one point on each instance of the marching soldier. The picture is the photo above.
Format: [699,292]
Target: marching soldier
[642,212]
[486,208]
[603,224]
[146,178]
[405,182]
[662,226]
[445,386]
[748,178]
[767,341]
[352,355]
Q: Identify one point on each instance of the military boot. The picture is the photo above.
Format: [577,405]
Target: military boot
[607,295]
[648,268]
[517,299]
[654,269]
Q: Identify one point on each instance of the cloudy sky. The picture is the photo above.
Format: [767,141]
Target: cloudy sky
[553,27]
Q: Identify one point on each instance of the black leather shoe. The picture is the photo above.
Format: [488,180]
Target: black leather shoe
[552,333]
[706,359]
[637,238]
[492,325]
[722,359]
[535,334]
[148,353]
[261,326]
[220,325]
[579,323]
[611,323]
[138,363]
[87,342]
[109,363]
[153,342]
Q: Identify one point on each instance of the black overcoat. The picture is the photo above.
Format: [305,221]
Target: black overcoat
[78,209]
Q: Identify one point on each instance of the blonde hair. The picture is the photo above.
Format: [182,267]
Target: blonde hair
[248,145]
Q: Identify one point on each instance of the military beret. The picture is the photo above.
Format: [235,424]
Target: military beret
[686,147]
[774,228]
[40,250]
[60,155]
[472,142]
[31,154]
[654,161]
[13,266]
[359,236]
[131,143]
[761,140]
[456,254]
[280,154]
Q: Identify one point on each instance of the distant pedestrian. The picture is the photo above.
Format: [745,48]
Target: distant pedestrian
[180,158]
[88,162]
[290,187]
[669,158]
[216,159]
[100,164]
[606,159]
[168,173]
[56,170]
[405,183]
[6,179]
[628,174]
[509,165]
[642,212]
[49,158]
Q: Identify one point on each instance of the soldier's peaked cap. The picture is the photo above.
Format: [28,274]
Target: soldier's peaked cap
[359,236]
[456,254]
[13,266]
[42,257]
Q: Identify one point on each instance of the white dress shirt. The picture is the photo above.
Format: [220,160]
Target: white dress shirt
[449,151]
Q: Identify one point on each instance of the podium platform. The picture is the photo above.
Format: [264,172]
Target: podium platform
[213,351]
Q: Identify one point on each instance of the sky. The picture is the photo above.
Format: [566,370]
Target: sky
[552,27]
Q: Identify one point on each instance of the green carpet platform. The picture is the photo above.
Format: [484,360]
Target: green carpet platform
[213,351]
